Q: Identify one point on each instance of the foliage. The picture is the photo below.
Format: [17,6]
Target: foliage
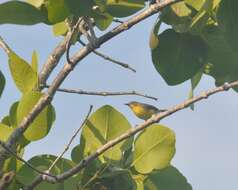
[202,39]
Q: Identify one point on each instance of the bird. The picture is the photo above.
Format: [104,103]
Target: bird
[142,110]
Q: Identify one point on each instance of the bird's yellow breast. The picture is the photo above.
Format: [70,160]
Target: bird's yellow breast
[142,112]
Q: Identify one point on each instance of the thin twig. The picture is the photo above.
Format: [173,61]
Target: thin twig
[23,161]
[106,57]
[68,45]
[71,140]
[62,75]
[91,93]
[4,46]
[154,119]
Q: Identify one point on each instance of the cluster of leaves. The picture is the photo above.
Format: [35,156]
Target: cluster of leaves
[140,163]
[203,39]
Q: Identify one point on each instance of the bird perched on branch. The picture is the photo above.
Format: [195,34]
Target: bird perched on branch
[143,111]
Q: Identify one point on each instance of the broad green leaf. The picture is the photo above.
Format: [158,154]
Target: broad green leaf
[5,132]
[222,58]
[124,8]
[167,179]
[154,149]
[77,154]
[2,82]
[40,127]
[228,23]
[60,29]
[194,82]
[34,61]
[17,12]
[179,57]
[104,125]
[80,7]
[13,114]
[23,75]
[57,10]
[43,162]
[195,4]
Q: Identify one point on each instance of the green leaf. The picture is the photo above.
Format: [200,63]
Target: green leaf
[13,114]
[77,154]
[222,58]
[154,40]
[17,12]
[34,61]
[124,8]
[122,181]
[179,57]
[23,75]
[227,21]
[5,132]
[6,120]
[40,127]
[60,29]
[104,125]
[102,20]
[167,179]
[2,82]
[42,162]
[57,10]
[36,3]
[154,149]
[80,7]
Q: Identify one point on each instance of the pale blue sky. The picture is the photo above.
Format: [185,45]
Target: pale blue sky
[206,138]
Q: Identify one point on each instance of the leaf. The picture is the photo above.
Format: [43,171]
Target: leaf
[34,61]
[60,29]
[104,125]
[154,149]
[57,10]
[6,121]
[36,3]
[13,114]
[154,40]
[40,127]
[194,82]
[80,7]
[179,57]
[122,181]
[42,162]
[17,12]
[2,82]
[167,179]
[5,132]
[102,20]
[124,8]
[227,21]
[23,75]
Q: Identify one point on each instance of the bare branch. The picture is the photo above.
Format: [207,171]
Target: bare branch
[91,93]
[81,54]
[71,140]
[23,161]
[109,58]
[154,119]
[6,180]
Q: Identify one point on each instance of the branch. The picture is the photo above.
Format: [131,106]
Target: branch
[91,93]
[109,58]
[154,119]
[83,52]
[71,140]
[4,46]
[23,161]
[6,180]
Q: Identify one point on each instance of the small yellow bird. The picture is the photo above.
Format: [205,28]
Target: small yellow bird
[143,111]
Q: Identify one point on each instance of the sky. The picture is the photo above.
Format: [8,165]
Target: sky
[206,138]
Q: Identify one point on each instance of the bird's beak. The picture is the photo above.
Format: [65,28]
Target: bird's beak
[127,104]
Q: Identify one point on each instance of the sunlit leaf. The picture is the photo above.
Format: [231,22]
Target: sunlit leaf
[5,131]
[154,149]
